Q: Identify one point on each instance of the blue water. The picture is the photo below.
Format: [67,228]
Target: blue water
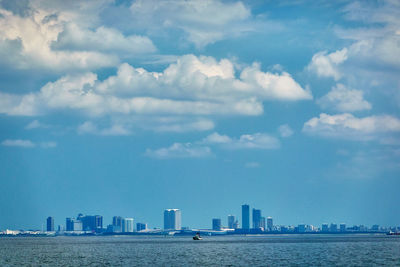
[281,250]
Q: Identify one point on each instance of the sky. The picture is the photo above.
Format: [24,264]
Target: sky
[127,108]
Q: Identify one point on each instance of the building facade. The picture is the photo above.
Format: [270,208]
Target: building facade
[127,225]
[270,224]
[216,224]
[256,219]
[50,224]
[231,221]
[172,219]
[245,217]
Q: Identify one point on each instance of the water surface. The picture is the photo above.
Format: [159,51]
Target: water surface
[303,250]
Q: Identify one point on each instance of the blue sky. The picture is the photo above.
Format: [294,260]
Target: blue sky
[130,107]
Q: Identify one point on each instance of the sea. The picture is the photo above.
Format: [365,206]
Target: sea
[261,250]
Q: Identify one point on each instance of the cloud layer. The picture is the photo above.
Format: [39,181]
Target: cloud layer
[191,86]
[346,126]
[257,141]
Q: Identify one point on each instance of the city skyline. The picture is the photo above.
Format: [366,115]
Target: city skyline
[126,108]
[172,221]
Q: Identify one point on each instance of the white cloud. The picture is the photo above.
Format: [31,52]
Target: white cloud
[204,22]
[191,86]
[33,36]
[18,143]
[326,65]
[285,130]
[89,127]
[202,148]
[57,37]
[216,138]
[102,39]
[346,126]
[341,98]
[179,150]
[246,141]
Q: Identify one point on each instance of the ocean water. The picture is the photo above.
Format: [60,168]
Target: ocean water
[271,250]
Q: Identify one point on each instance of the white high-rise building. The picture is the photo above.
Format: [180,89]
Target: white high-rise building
[172,219]
[127,225]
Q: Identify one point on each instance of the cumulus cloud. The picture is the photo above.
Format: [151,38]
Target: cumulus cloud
[246,141]
[101,39]
[179,150]
[202,148]
[285,130]
[57,37]
[191,86]
[347,126]
[33,38]
[202,21]
[372,59]
[326,65]
[28,143]
[342,99]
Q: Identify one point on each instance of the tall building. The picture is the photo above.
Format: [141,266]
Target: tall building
[216,224]
[325,227]
[127,225]
[270,224]
[342,227]
[91,223]
[50,224]
[333,227]
[172,219]
[262,223]
[231,221]
[245,217]
[73,224]
[117,224]
[256,219]
[141,227]
[69,225]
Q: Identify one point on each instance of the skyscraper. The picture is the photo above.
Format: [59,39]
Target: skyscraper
[127,225]
[256,219]
[245,217]
[231,221]
[73,224]
[117,224]
[262,223]
[270,224]
[172,219]
[50,224]
[216,224]
[91,223]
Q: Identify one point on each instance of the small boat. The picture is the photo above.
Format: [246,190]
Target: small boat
[197,237]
